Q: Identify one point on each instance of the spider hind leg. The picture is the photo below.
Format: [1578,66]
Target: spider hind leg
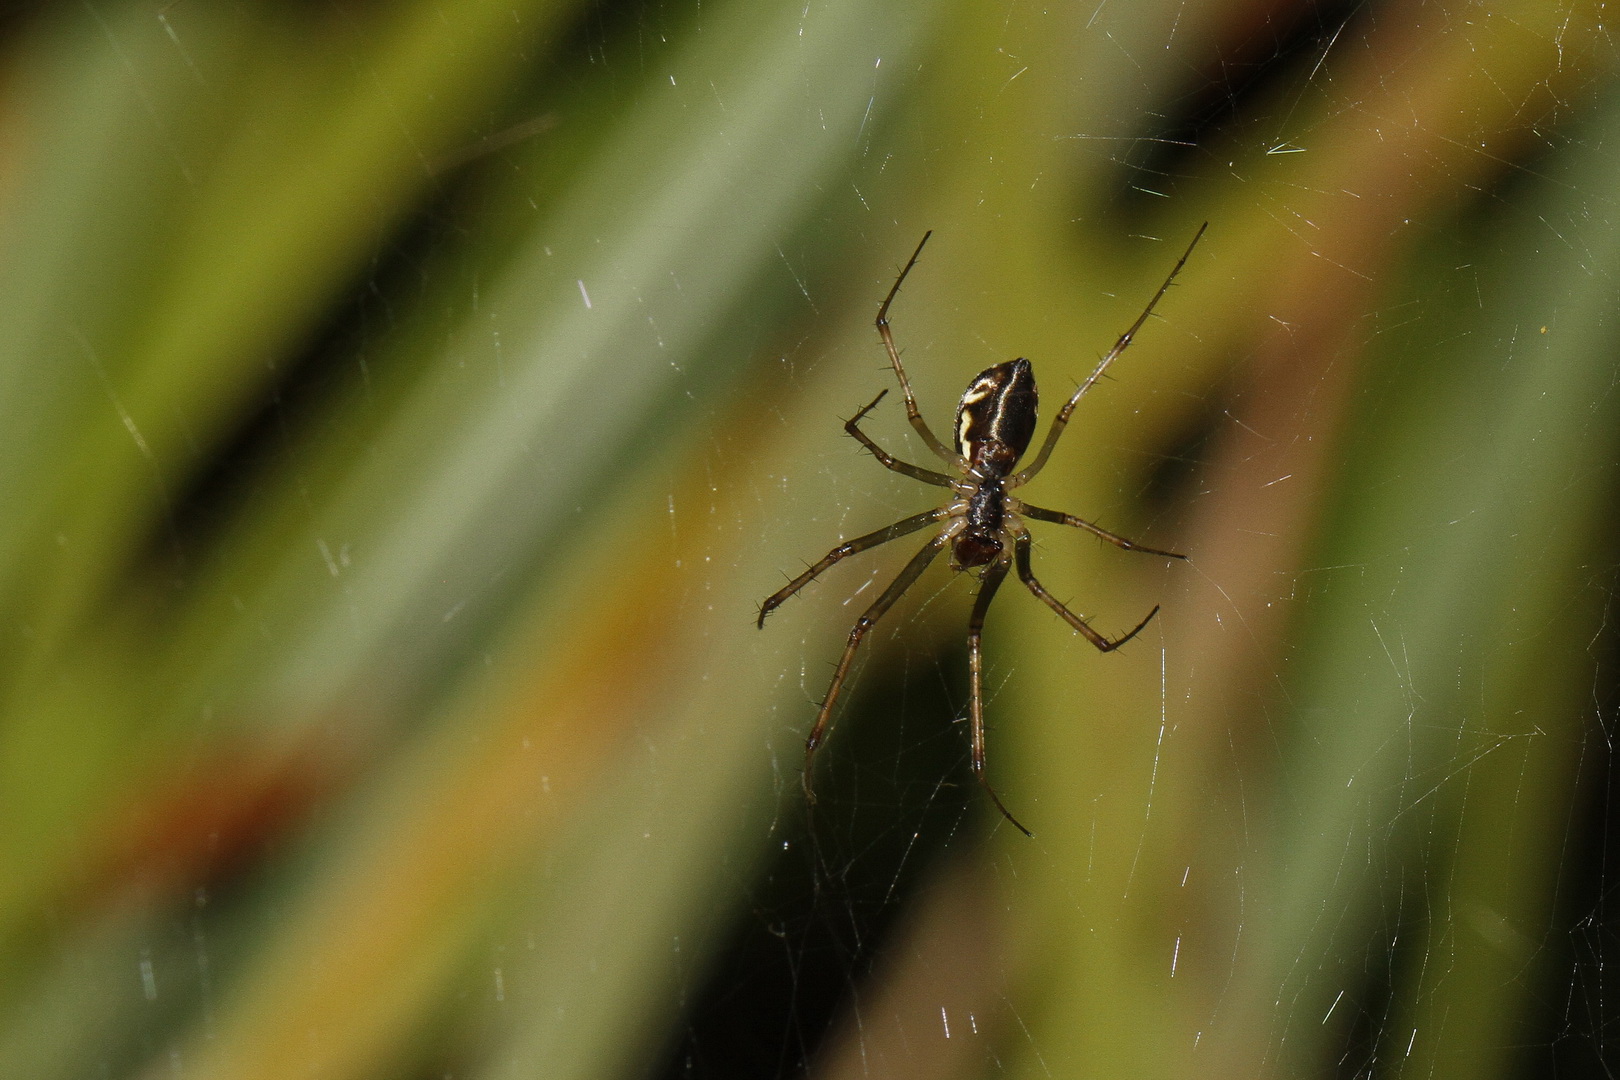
[903,581]
[990,581]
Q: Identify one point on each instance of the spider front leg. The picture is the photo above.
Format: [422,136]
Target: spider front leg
[844,551]
[913,570]
[993,576]
[1061,421]
[913,413]
[1103,644]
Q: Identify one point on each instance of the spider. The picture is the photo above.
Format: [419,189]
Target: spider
[995,422]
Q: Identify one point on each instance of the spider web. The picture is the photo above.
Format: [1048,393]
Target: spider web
[1379,927]
[453,750]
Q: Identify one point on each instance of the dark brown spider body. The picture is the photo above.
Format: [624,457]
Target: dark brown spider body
[995,422]
[995,419]
[984,520]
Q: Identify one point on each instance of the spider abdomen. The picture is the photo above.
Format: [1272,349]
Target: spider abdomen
[994,423]
[995,419]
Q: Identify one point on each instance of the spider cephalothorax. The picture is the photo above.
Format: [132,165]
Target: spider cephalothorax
[995,422]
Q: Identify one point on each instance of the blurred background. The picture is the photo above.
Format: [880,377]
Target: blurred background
[404,408]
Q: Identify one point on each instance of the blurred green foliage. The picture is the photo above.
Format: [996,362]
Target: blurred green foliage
[406,406]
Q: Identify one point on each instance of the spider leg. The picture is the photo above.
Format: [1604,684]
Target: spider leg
[1103,644]
[1062,419]
[913,570]
[844,551]
[913,414]
[889,461]
[1057,517]
[993,576]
